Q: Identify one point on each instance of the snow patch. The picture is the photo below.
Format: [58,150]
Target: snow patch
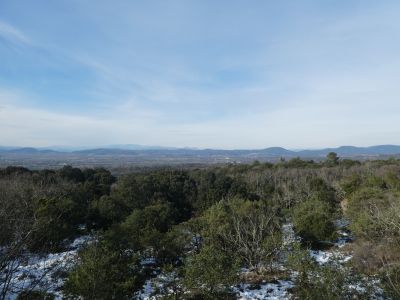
[323,257]
[268,291]
[45,273]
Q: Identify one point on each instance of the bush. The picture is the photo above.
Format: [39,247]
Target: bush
[313,220]
[391,281]
[104,273]
[248,230]
[330,281]
[374,213]
[210,273]
[145,228]
[106,211]
[57,216]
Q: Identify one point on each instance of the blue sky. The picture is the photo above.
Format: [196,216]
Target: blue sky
[220,74]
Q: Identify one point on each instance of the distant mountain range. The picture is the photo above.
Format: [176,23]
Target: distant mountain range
[139,150]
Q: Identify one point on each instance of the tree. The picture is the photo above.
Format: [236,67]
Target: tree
[332,159]
[34,215]
[151,232]
[59,210]
[16,228]
[145,227]
[249,230]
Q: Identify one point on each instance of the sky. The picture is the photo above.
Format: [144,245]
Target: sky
[209,74]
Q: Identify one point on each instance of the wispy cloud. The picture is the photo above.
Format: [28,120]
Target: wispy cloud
[13,34]
[207,74]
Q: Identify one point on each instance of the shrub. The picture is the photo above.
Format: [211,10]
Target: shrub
[144,228]
[210,273]
[313,220]
[58,213]
[248,230]
[374,213]
[391,281]
[104,273]
[330,281]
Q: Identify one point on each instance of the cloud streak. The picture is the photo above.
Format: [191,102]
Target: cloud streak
[206,74]
[11,33]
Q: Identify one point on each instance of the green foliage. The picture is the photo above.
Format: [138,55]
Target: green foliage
[98,182]
[210,273]
[298,163]
[333,283]
[351,183]
[50,205]
[58,213]
[248,230]
[332,159]
[202,225]
[313,220]
[348,163]
[321,191]
[146,226]
[103,210]
[331,280]
[213,187]
[374,181]
[16,210]
[173,246]
[391,281]
[375,214]
[392,180]
[151,231]
[72,174]
[137,191]
[13,171]
[358,210]
[104,273]
[106,211]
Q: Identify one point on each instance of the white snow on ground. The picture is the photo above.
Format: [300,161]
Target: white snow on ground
[372,284]
[267,291]
[147,291]
[159,283]
[288,235]
[278,290]
[323,257]
[45,270]
[344,237]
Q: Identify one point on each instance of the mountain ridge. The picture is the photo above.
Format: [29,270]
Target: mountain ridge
[133,149]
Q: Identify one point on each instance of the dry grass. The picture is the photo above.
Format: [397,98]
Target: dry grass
[372,257]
